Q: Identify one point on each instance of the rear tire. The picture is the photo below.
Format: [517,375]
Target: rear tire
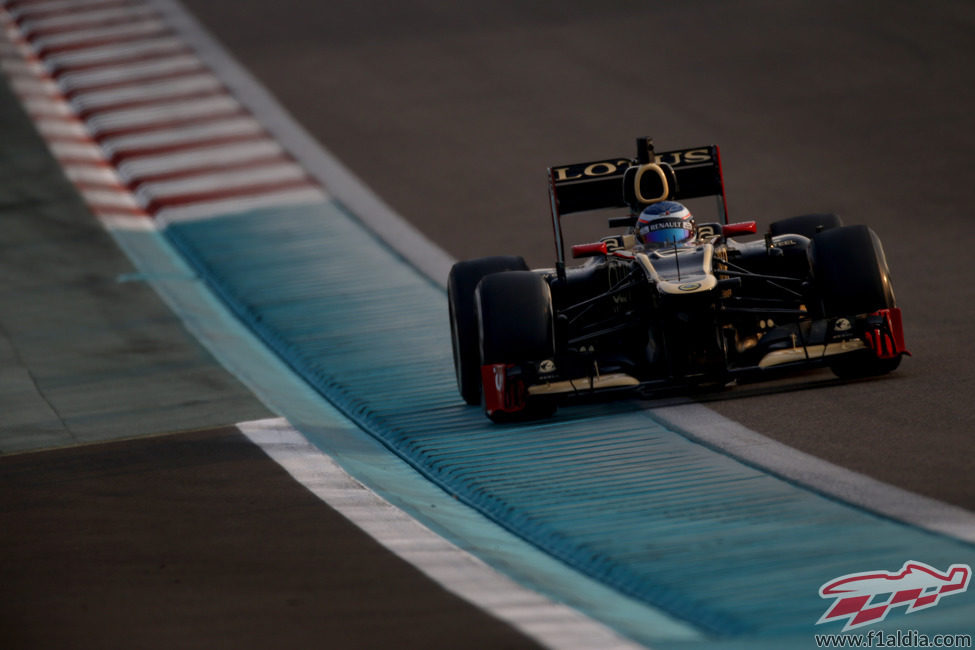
[461,284]
[851,277]
[515,325]
[806,225]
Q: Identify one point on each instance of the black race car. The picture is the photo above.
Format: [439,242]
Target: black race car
[670,303]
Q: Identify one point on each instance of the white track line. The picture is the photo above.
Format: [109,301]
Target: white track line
[116,52]
[199,84]
[163,112]
[550,623]
[61,129]
[207,158]
[282,171]
[96,35]
[177,63]
[242,127]
[54,6]
[90,175]
[78,18]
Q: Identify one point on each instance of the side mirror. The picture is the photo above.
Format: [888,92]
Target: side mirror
[590,250]
[736,229]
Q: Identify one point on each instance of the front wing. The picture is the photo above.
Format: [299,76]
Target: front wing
[509,388]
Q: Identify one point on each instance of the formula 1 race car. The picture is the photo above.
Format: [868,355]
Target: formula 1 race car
[670,303]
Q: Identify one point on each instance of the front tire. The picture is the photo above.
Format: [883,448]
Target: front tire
[851,278]
[461,284]
[515,326]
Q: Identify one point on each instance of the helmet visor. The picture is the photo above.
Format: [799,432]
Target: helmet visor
[661,233]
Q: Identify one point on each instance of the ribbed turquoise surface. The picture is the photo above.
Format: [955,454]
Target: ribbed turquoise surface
[607,488]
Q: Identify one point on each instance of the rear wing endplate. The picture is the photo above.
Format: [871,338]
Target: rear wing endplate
[634,182]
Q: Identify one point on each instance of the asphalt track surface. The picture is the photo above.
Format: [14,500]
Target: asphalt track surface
[451,112]
[132,513]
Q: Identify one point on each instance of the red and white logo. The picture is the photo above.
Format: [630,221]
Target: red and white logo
[866,598]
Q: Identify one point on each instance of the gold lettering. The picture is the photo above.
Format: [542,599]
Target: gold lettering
[686,157]
[697,156]
[600,169]
[674,158]
[590,170]
[562,174]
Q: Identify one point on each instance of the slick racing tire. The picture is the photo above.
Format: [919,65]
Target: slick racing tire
[851,277]
[461,284]
[806,225]
[515,325]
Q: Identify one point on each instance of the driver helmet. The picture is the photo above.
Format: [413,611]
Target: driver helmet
[664,224]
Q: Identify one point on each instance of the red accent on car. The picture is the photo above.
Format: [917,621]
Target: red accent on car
[887,339]
[743,228]
[502,393]
[589,250]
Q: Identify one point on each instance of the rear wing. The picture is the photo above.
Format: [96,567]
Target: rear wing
[635,182]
